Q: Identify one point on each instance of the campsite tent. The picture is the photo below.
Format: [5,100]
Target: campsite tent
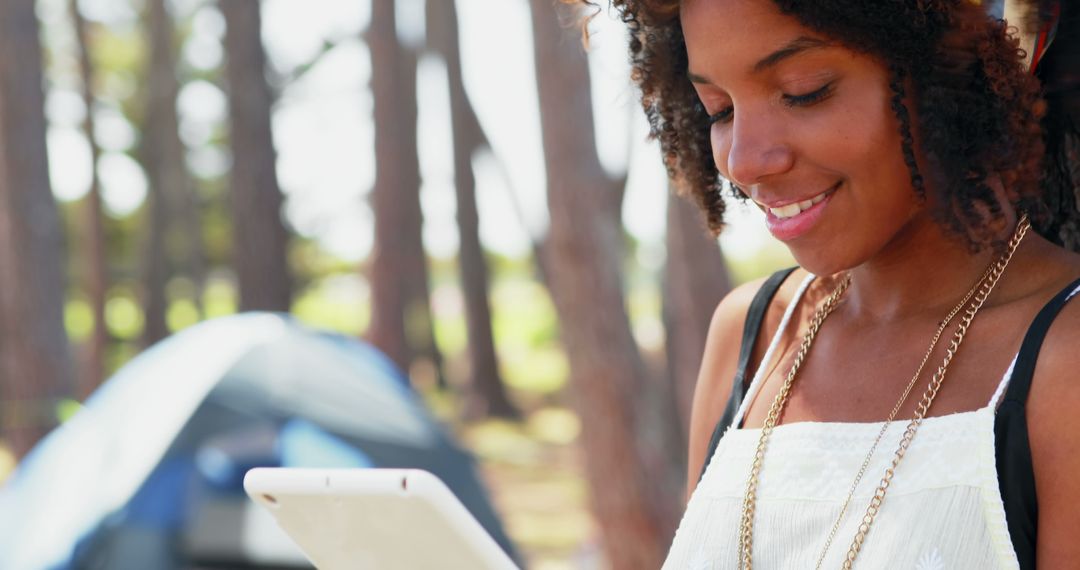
[148,474]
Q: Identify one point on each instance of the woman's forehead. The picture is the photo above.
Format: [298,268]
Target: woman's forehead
[741,36]
[725,16]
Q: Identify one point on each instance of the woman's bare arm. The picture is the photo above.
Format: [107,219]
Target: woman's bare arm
[718,366]
[1053,416]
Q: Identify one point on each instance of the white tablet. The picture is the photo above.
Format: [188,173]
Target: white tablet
[377,519]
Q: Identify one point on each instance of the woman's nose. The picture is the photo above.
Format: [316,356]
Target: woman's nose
[756,150]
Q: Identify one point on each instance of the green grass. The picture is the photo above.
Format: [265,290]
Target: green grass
[78,319]
[123,316]
[181,314]
[219,298]
[337,304]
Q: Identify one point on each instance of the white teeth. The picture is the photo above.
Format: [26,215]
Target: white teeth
[796,208]
[786,211]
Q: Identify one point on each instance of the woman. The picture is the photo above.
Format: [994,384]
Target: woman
[895,147]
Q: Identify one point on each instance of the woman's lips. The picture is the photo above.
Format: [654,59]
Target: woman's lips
[789,228]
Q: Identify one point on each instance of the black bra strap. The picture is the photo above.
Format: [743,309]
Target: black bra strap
[751,327]
[1016,475]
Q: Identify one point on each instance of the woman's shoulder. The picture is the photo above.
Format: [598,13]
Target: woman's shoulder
[722,344]
[719,363]
[1057,373]
[1053,423]
[730,316]
[1055,271]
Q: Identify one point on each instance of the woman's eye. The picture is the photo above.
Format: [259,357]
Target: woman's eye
[722,117]
[807,99]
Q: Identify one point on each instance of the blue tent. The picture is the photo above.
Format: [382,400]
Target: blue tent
[148,474]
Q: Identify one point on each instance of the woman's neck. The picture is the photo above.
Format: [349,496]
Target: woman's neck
[923,270]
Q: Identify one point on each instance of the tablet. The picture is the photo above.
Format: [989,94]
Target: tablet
[375,519]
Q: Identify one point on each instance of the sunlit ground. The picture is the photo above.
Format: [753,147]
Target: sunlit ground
[534,474]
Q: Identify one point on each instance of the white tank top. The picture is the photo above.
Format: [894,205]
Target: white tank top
[943,509]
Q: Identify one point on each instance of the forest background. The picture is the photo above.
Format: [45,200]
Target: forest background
[459,182]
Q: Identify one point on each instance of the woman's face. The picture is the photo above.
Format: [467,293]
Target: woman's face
[805,127]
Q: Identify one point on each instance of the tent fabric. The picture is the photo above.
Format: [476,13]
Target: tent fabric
[205,405]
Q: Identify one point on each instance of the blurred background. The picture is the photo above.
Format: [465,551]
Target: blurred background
[456,191]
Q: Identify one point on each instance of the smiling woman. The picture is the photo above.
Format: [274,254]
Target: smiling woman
[899,148]
[802,126]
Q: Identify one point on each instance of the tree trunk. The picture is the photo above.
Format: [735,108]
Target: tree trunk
[695,280]
[401,320]
[166,171]
[35,364]
[260,241]
[607,373]
[154,271]
[487,393]
[95,267]
[190,216]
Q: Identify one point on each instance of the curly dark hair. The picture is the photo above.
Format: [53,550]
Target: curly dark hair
[967,80]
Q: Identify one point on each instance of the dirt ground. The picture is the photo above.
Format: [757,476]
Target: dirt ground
[534,472]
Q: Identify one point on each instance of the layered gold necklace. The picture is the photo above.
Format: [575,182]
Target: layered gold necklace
[977,295]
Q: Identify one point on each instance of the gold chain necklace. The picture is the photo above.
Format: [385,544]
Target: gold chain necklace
[984,285]
[896,409]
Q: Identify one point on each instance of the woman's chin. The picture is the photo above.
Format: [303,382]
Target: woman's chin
[821,262]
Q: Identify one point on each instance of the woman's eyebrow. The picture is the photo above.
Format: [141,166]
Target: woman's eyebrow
[794,47]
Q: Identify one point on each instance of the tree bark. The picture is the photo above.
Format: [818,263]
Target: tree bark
[95,268]
[35,363]
[401,319]
[260,241]
[695,280]
[166,171]
[487,394]
[606,368]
